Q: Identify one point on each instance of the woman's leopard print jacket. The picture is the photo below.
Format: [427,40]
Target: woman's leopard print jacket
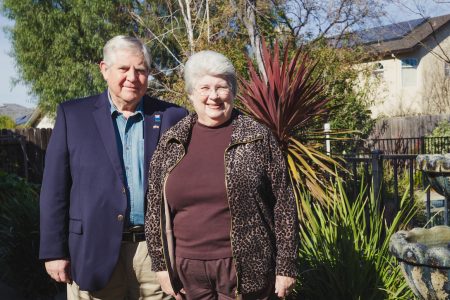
[264,230]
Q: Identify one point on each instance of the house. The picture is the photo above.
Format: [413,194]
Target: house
[410,66]
[40,120]
[16,112]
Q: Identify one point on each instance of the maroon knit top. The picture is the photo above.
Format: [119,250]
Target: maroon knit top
[196,193]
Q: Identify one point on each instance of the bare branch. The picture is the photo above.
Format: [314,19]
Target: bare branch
[138,19]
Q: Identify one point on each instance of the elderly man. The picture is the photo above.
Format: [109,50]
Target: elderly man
[95,180]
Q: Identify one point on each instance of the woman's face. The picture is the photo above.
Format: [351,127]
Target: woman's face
[212,99]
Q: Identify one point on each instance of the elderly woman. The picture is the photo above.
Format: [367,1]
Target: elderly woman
[221,221]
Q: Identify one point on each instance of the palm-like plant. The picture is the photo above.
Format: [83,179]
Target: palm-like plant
[291,100]
[345,249]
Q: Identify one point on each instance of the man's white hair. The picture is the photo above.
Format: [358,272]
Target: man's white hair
[211,63]
[122,42]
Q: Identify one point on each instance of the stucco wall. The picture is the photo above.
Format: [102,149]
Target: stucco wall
[390,97]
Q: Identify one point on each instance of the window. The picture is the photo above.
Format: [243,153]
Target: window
[409,71]
[378,70]
[447,69]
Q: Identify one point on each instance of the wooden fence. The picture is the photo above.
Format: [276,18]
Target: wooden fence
[22,151]
[406,127]
[414,145]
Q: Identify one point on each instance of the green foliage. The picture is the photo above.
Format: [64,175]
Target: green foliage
[6,122]
[57,45]
[349,103]
[438,142]
[170,45]
[19,239]
[402,179]
[344,250]
[442,129]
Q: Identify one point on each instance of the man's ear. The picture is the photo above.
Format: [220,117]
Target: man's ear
[103,69]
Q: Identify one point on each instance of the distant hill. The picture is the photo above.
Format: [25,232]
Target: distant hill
[15,111]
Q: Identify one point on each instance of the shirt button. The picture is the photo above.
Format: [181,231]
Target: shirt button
[120,218]
[123,190]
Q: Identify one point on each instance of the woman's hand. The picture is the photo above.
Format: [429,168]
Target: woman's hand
[166,286]
[283,285]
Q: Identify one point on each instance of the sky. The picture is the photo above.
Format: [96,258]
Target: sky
[8,92]
[398,10]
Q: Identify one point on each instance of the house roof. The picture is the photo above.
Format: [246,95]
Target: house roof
[16,112]
[396,38]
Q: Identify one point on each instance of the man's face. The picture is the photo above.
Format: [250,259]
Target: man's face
[127,77]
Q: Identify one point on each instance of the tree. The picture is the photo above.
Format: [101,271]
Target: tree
[6,122]
[348,108]
[289,100]
[175,29]
[312,20]
[57,45]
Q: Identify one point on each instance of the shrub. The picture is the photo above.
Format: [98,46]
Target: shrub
[344,250]
[19,239]
[438,141]
[442,129]
[6,122]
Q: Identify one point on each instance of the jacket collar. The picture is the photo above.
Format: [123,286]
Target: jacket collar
[245,129]
[152,128]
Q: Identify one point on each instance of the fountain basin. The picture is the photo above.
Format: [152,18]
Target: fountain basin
[424,257]
[436,168]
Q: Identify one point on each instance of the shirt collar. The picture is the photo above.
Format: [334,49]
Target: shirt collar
[115,112]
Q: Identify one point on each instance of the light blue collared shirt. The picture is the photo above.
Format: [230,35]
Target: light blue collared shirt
[130,142]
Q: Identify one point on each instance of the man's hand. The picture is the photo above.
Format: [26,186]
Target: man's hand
[166,286]
[283,285]
[59,270]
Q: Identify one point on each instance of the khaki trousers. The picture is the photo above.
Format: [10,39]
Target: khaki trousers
[132,278]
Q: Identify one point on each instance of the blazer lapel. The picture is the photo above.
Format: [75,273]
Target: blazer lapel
[102,117]
[152,128]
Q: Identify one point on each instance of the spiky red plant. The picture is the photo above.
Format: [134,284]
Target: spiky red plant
[290,100]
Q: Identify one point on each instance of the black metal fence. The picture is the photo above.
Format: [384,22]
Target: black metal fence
[393,176]
[387,165]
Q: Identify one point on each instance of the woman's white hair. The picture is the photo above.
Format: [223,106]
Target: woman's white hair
[122,42]
[211,63]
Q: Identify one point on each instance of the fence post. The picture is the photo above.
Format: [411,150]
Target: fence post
[377,177]
[327,129]
[423,147]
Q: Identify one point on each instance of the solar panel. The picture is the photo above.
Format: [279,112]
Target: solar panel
[388,32]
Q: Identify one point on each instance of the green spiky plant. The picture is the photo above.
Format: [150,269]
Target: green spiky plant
[291,100]
[344,249]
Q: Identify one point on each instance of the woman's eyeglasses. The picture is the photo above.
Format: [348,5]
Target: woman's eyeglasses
[220,91]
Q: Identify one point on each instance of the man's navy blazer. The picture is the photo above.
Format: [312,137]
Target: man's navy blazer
[83,198]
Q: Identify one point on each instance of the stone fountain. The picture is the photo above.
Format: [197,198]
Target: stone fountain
[424,254]
[436,167]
